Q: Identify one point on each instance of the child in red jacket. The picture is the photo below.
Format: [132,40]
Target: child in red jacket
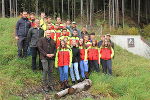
[83,59]
[93,57]
[106,54]
[63,62]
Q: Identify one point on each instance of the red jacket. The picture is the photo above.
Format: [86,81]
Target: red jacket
[63,57]
[106,53]
[83,53]
[93,53]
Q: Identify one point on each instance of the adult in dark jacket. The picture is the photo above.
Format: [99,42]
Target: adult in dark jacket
[75,62]
[101,41]
[34,34]
[47,48]
[22,28]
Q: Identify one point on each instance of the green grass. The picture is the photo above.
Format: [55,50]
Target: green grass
[130,80]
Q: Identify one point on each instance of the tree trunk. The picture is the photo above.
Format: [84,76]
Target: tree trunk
[10,4]
[113,12]
[62,9]
[110,14]
[3,8]
[85,85]
[132,8]
[81,11]
[91,10]
[74,9]
[104,10]
[87,10]
[139,6]
[37,2]
[123,13]
[16,9]
[68,9]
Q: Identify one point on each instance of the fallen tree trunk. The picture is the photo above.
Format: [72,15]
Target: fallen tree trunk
[85,85]
[61,93]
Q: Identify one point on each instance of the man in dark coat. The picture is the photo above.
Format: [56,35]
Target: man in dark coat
[34,34]
[22,28]
[47,48]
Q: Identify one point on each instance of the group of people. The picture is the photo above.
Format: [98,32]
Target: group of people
[62,45]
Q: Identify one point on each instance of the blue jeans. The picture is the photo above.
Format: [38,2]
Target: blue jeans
[83,67]
[63,70]
[74,69]
[106,66]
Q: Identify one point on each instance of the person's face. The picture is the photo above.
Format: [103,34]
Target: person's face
[74,25]
[32,16]
[86,38]
[106,43]
[75,33]
[92,37]
[108,37]
[63,43]
[45,19]
[74,43]
[65,39]
[59,20]
[48,26]
[94,43]
[81,41]
[37,23]
[24,14]
[49,20]
[68,22]
[64,32]
[57,26]
[102,38]
[84,29]
[42,15]
[48,33]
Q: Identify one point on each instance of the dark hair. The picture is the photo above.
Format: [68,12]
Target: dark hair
[108,42]
[95,43]
[64,29]
[92,34]
[75,30]
[32,13]
[60,47]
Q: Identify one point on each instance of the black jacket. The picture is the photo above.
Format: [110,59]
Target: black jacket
[34,34]
[22,27]
[76,54]
[46,46]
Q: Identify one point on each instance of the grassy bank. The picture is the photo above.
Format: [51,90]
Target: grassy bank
[130,80]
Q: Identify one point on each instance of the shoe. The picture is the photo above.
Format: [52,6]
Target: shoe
[86,75]
[67,84]
[62,85]
[73,82]
[79,81]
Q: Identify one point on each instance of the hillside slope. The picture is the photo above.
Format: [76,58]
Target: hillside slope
[130,80]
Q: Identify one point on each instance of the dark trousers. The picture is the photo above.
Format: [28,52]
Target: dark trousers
[106,66]
[47,71]
[93,66]
[35,52]
[22,47]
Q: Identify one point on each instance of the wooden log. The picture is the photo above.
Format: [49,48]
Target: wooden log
[85,85]
[61,93]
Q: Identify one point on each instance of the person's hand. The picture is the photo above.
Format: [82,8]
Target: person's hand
[17,38]
[50,55]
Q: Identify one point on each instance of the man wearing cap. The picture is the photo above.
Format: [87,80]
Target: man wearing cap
[74,27]
[47,48]
[34,34]
[108,36]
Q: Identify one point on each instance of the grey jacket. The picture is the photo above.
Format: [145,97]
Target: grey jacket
[34,35]
[22,27]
